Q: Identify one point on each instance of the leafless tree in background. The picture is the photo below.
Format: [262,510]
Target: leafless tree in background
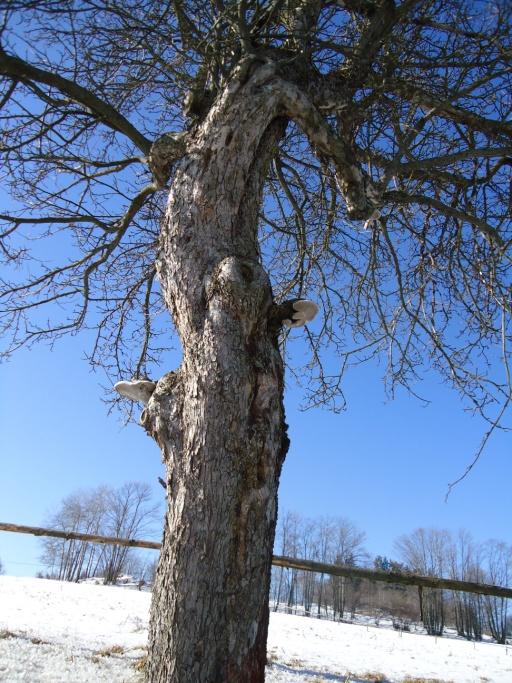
[308,549]
[217,161]
[347,549]
[126,512]
[425,551]
[71,560]
[130,513]
[325,534]
[429,552]
[328,540]
[498,570]
[288,543]
[459,556]
[465,564]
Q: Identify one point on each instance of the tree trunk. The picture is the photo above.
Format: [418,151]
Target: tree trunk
[219,419]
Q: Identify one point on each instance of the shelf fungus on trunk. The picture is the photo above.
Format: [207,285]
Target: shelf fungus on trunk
[293,313]
[158,397]
[136,389]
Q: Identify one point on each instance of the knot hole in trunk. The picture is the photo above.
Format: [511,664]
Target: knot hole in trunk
[239,288]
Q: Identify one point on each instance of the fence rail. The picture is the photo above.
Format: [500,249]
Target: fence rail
[392,577]
[289,563]
[73,535]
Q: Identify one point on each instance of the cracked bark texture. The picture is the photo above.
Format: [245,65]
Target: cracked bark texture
[209,615]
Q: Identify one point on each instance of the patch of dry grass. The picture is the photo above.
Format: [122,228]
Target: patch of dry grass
[272,656]
[113,650]
[38,641]
[4,633]
[294,663]
[373,677]
[140,664]
[369,676]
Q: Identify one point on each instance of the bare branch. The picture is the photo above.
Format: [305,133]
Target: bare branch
[488,231]
[19,70]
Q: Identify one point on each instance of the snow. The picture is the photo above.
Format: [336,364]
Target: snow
[88,632]
[334,649]
[76,633]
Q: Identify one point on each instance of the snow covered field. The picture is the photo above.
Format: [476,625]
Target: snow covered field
[68,633]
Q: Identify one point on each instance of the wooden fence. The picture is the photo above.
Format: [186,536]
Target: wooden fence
[290,563]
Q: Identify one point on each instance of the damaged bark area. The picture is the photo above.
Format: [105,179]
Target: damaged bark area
[164,152]
[162,417]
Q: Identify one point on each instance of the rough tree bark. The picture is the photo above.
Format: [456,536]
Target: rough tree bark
[209,615]
[213,578]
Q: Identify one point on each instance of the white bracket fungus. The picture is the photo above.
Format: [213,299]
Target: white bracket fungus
[136,389]
[305,309]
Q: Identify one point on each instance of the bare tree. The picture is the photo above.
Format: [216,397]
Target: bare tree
[83,511]
[325,535]
[464,557]
[425,551]
[289,539]
[348,549]
[222,161]
[294,538]
[498,570]
[126,512]
[130,513]
[329,540]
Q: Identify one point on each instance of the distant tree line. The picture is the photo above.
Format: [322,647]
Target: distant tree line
[124,512]
[457,556]
[429,552]
[332,541]
[129,512]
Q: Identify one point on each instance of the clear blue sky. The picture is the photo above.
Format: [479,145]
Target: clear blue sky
[385,465]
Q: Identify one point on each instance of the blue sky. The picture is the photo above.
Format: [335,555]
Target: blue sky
[383,464]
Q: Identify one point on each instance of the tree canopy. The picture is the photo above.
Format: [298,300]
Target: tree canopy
[388,200]
[355,153]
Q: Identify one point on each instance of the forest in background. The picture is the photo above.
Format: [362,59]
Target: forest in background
[429,552]
[130,512]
